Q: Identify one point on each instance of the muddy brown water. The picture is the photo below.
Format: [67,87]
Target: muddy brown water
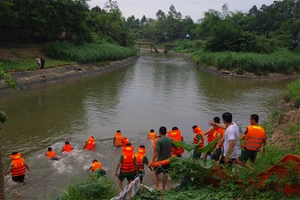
[157,90]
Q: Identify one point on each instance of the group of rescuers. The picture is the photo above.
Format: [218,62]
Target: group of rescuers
[226,151]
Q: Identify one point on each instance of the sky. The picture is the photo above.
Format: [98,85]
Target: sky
[193,8]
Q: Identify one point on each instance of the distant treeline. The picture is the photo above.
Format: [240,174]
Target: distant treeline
[258,30]
[40,21]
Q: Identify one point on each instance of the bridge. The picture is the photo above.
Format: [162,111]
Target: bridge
[147,44]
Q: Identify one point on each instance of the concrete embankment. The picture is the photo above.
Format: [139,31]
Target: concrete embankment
[37,78]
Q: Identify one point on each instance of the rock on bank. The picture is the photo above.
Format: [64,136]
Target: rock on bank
[36,78]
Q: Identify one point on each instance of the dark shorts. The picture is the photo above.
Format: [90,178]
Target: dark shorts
[141,174]
[128,175]
[19,179]
[99,173]
[163,168]
[53,158]
[231,161]
[247,154]
[196,155]
[217,154]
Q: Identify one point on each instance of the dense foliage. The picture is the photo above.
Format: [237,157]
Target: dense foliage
[27,21]
[293,92]
[93,52]
[258,30]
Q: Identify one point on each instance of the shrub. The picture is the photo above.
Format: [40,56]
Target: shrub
[293,92]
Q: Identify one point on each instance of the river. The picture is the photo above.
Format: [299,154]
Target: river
[157,90]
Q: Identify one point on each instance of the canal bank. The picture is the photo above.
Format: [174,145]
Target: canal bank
[38,78]
[237,75]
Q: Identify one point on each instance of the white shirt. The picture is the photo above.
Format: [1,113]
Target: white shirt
[232,133]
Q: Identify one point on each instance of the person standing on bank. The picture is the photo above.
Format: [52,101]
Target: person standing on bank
[17,167]
[232,148]
[42,61]
[162,152]
[255,138]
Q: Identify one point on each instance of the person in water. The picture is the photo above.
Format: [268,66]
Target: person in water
[90,144]
[51,154]
[141,160]
[97,168]
[152,135]
[118,139]
[128,165]
[17,167]
[67,148]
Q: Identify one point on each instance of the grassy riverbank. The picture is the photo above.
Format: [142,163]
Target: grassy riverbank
[280,61]
[97,51]
[64,53]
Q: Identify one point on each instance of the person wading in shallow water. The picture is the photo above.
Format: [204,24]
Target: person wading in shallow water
[17,168]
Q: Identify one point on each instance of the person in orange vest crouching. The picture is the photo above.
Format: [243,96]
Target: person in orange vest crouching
[90,144]
[51,155]
[67,148]
[97,168]
[17,167]
[118,139]
[141,160]
[198,139]
[152,135]
[128,165]
[175,134]
[255,138]
[214,133]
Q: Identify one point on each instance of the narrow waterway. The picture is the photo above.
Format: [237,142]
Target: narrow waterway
[160,89]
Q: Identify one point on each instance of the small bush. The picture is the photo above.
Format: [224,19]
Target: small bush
[89,189]
[293,92]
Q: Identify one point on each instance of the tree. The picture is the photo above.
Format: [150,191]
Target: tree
[13,84]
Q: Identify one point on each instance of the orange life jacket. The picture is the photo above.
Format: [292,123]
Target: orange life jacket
[176,136]
[254,138]
[222,131]
[197,131]
[18,167]
[67,148]
[139,156]
[152,135]
[90,145]
[51,154]
[128,164]
[125,141]
[160,163]
[96,165]
[118,140]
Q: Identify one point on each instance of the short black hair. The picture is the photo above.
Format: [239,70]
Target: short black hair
[194,126]
[118,131]
[142,146]
[49,149]
[227,117]
[128,144]
[67,142]
[152,131]
[163,130]
[95,160]
[217,120]
[14,153]
[174,128]
[255,117]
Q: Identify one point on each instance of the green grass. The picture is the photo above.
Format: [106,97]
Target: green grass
[97,51]
[281,61]
[31,64]
[293,92]
[89,188]
[187,46]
